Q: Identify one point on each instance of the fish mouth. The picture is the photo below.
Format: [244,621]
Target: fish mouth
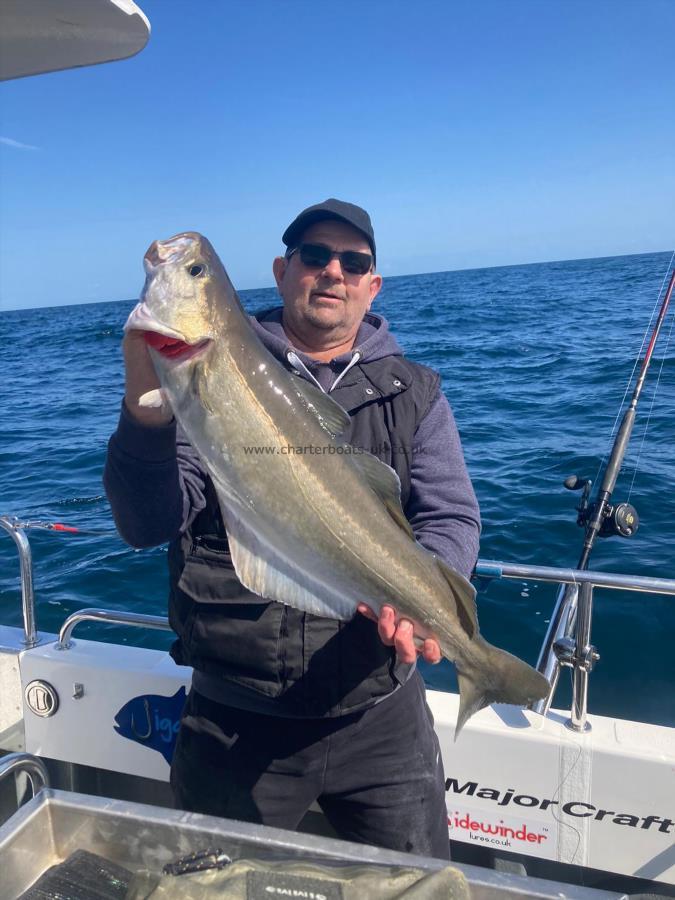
[142,319]
[174,348]
[166,341]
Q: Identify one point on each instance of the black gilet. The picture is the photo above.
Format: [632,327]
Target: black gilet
[310,666]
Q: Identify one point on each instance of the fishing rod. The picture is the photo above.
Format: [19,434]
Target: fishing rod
[568,638]
[601,518]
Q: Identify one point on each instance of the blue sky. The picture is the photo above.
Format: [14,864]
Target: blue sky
[476,132]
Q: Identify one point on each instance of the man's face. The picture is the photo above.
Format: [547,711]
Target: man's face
[326,302]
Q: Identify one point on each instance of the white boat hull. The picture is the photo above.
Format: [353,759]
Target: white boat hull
[516,781]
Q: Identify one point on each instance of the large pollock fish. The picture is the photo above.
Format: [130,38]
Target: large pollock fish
[320,531]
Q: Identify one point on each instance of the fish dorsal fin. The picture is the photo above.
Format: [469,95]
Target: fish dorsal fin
[465,597]
[330,415]
[384,481]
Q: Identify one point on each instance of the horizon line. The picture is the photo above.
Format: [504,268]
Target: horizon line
[271,287]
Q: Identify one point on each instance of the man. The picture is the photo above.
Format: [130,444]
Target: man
[287,708]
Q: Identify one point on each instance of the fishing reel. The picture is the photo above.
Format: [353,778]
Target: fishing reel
[619,520]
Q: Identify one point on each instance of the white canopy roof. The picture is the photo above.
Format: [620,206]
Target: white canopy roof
[47,35]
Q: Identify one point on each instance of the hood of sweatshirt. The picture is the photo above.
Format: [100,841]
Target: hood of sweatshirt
[373,341]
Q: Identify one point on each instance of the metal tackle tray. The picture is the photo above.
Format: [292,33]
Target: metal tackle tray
[54,824]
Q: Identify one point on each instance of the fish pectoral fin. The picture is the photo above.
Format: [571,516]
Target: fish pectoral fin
[384,482]
[271,576]
[330,415]
[199,387]
[464,594]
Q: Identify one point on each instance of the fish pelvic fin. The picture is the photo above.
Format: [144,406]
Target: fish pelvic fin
[506,679]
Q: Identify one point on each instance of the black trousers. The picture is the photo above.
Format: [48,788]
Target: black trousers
[377,774]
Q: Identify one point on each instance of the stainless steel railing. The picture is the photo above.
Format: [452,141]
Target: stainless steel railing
[13,528]
[567,641]
[111,617]
[30,765]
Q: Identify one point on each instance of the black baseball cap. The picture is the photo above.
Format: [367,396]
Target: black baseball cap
[330,209]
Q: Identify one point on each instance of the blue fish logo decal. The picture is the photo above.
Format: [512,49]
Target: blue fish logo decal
[152,720]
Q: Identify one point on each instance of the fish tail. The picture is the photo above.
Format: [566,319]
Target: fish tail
[507,679]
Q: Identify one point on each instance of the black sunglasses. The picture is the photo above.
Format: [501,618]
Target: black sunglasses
[317,256]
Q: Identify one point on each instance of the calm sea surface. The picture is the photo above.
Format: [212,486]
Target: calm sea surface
[535,361]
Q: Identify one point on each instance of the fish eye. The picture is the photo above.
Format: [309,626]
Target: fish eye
[195,271]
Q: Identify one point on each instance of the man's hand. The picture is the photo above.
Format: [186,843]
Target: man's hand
[400,635]
[141,378]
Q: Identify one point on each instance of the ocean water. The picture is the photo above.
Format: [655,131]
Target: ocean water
[535,361]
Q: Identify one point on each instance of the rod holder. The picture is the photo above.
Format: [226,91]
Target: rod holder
[585,657]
